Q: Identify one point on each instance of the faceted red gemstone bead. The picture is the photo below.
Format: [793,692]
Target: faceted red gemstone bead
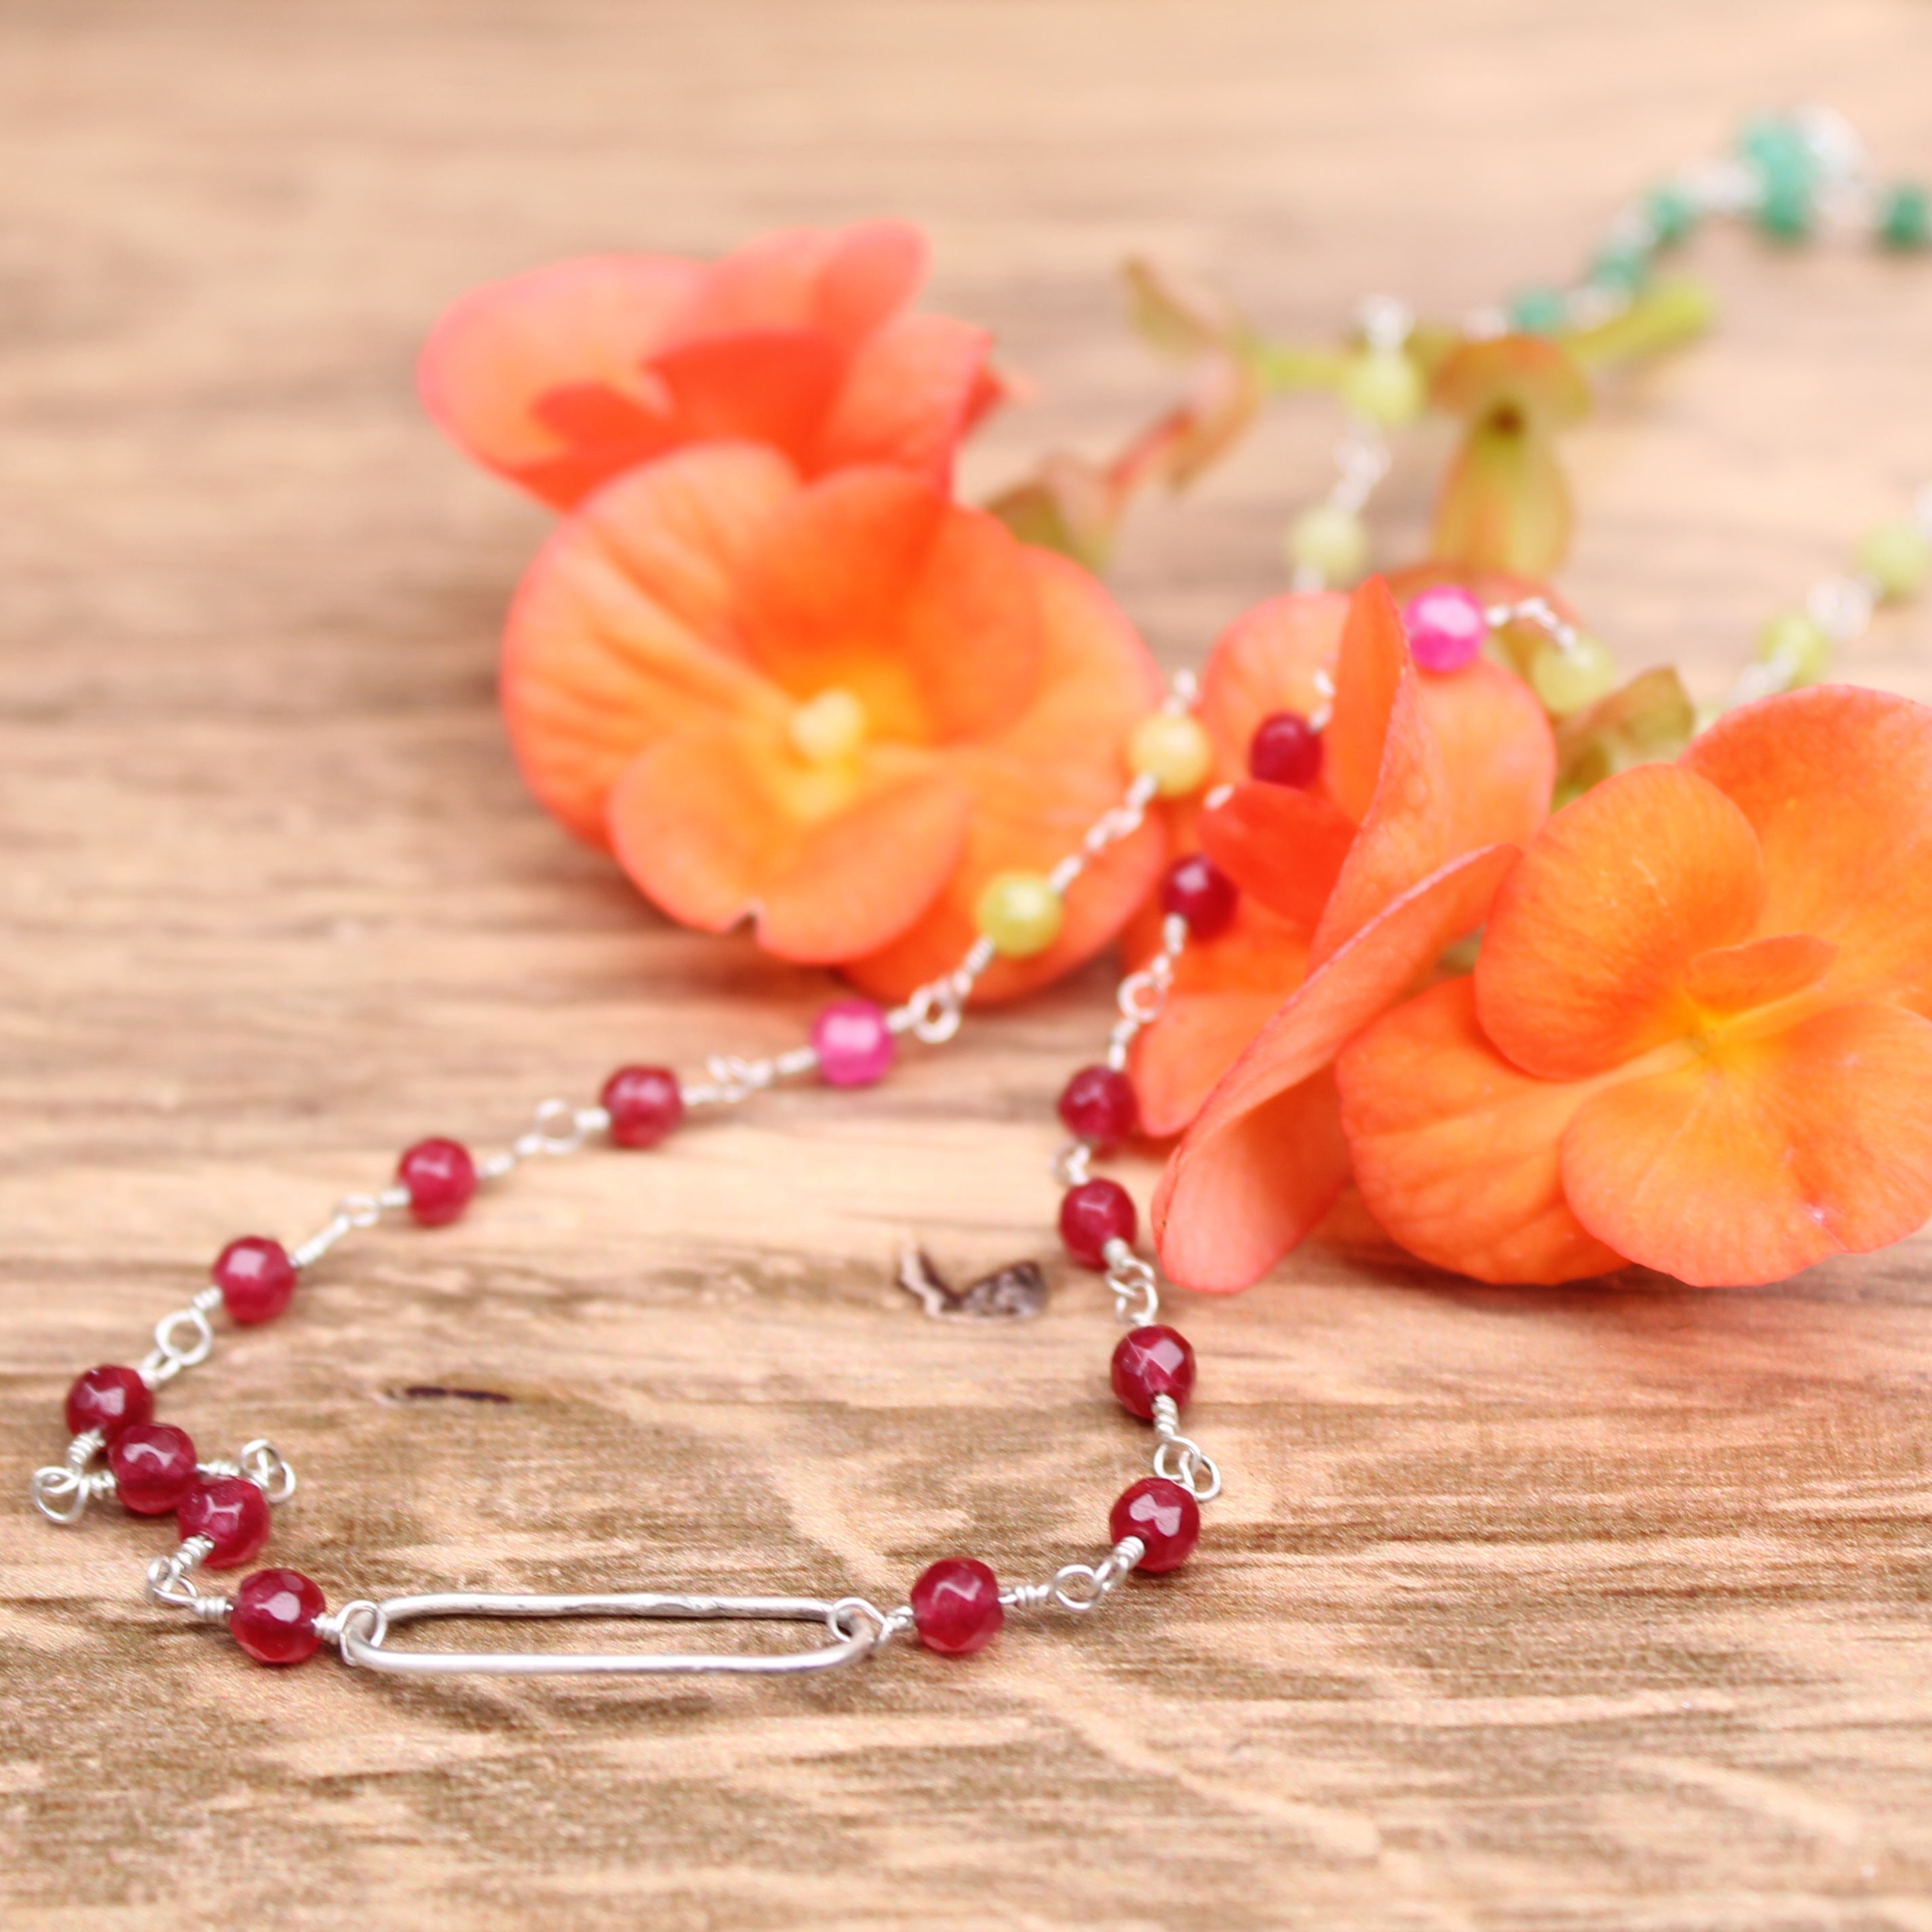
[274,1617]
[441,1178]
[1197,890]
[1163,1516]
[255,1278]
[1098,1104]
[1286,750]
[109,1398]
[232,1513]
[645,1103]
[153,1466]
[956,1607]
[1092,1214]
[1152,1361]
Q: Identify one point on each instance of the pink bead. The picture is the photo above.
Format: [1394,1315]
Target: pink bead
[1446,628]
[255,1278]
[109,1398]
[154,1467]
[854,1043]
[956,1607]
[1151,1361]
[1164,1516]
[1098,1104]
[644,1103]
[1092,1214]
[274,1617]
[441,1179]
[232,1513]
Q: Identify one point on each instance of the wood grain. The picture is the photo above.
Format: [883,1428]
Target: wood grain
[1598,1609]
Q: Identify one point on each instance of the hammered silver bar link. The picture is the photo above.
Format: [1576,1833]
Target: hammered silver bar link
[361,1630]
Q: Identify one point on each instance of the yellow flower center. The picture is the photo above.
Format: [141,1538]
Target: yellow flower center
[828,727]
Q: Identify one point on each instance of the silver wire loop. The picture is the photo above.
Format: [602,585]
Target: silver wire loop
[1136,1288]
[1178,1458]
[268,1469]
[169,1356]
[171,1581]
[556,1130]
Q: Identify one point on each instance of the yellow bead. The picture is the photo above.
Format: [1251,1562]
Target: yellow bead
[1020,912]
[826,727]
[1795,643]
[1383,385]
[1572,680]
[1174,752]
[1896,557]
[1330,542]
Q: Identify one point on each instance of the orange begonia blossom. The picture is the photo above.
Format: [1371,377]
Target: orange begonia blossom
[1357,887]
[1282,656]
[834,708]
[564,377]
[1697,1036]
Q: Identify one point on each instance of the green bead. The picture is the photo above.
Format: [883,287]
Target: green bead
[1896,557]
[1797,642]
[1538,311]
[1672,213]
[1384,386]
[1570,681]
[1331,542]
[1623,268]
[1020,912]
[1784,209]
[1774,146]
[1904,217]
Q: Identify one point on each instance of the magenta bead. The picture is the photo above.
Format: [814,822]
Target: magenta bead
[274,1617]
[1152,1361]
[1164,1515]
[109,1398]
[154,1467]
[440,1178]
[255,1277]
[1446,628]
[1092,1214]
[854,1043]
[956,1607]
[645,1103]
[1286,750]
[1098,1105]
[232,1512]
[1196,889]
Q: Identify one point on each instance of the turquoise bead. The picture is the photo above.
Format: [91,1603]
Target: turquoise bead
[1538,311]
[1624,269]
[1904,217]
[1774,146]
[1672,213]
[1784,208]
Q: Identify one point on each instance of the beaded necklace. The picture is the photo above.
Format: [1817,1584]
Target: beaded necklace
[1792,174]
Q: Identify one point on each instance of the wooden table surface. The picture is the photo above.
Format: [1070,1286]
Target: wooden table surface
[1601,1608]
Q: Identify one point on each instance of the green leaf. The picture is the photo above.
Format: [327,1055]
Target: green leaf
[1665,316]
[1649,719]
[1068,506]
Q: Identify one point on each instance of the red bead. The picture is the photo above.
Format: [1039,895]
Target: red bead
[1092,1214]
[1098,1104]
[274,1617]
[109,1398]
[1286,750]
[232,1513]
[1152,1361]
[441,1178]
[153,1466]
[854,1043]
[956,1607]
[1197,890]
[645,1103]
[255,1278]
[1164,1516]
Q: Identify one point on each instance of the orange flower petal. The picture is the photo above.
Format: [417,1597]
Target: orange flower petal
[1746,1163]
[1455,1151]
[709,827]
[1202,1244]
[1582,965]
[910,393]
[1281,846]
[772,385]
[1266,661]
[612,643]
[1733,979]
[1036,788]
[1498,750]
[1371,664]
[1837,785]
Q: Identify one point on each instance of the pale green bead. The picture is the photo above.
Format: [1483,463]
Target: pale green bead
[1896,557]
[1572,680]
[1020,912]
[1330,541]
[1384,386]
[1176,752]
[1797,642]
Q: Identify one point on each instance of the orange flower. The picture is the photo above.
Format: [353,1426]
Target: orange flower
[835,708]
[562,378]
[1349,892]
[1697,1036]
